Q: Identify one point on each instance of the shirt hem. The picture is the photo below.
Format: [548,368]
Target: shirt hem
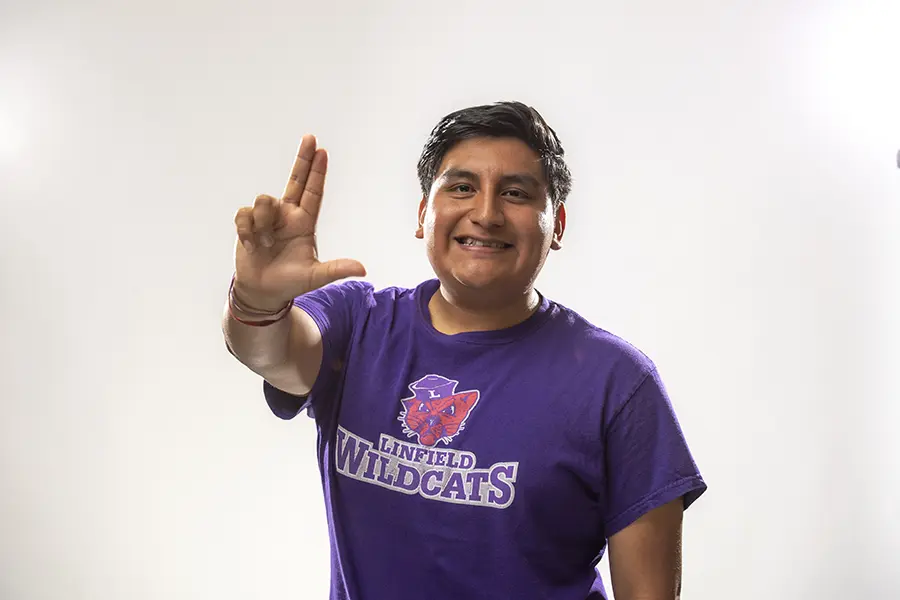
[690,488]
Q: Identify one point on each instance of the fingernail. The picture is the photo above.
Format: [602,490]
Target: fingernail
[248,246]
[266,240]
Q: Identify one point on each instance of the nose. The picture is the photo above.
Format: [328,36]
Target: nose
[487,211]
[432,420]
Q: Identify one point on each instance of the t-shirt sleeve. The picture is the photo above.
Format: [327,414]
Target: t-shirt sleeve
[648,461]
[335,309]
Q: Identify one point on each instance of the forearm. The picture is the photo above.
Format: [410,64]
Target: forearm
[258,348]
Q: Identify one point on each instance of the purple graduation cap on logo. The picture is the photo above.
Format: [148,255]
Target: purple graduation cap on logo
[432,387]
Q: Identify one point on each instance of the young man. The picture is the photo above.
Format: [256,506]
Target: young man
[476,439]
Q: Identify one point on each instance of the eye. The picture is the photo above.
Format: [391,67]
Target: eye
[450,410]
[421,407]
[516,194]
[462,188]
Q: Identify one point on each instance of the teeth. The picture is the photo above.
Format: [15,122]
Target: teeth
[472,242]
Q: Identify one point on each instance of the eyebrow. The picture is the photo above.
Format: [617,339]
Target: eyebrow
[526,179]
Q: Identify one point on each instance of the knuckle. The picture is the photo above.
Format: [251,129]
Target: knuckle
[263,200]
[263,212]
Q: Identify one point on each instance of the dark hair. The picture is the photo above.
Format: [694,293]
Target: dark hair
[500,119]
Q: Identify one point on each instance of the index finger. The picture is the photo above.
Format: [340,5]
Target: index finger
[293,190]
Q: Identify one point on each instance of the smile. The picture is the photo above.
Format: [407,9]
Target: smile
[471,242]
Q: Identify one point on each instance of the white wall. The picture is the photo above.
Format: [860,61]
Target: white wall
[734,214]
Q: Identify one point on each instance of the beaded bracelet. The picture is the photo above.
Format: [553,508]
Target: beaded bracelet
[235,303]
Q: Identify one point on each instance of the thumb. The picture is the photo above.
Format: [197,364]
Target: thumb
[333,270]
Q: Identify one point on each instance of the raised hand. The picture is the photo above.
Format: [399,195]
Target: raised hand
[275,254]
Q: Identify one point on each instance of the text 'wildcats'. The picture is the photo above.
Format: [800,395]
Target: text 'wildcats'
[445,475]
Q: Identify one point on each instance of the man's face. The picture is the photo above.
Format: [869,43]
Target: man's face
[488,222]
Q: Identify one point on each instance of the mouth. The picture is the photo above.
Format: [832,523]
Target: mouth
[471,242]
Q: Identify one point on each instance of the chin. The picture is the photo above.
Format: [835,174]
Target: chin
[479,279]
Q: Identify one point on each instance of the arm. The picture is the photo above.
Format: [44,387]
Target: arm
[287,354]
[645,557]
[651,480]
[276,261]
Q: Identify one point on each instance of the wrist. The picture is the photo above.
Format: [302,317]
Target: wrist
[252,315]
[250,304]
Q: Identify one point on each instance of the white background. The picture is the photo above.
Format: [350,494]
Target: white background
[734,214]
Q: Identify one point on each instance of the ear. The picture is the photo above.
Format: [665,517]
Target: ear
[420,229]
[559,227]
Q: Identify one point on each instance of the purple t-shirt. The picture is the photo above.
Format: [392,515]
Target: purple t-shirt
[480,465]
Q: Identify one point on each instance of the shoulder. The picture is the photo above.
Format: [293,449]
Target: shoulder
[607,371]
[596,343]
[375,297]
[358,290]
[365,295]
[603,363]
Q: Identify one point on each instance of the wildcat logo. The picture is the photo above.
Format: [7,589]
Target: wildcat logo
[436,412]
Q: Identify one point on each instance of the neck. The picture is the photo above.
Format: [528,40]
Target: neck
[453,313]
